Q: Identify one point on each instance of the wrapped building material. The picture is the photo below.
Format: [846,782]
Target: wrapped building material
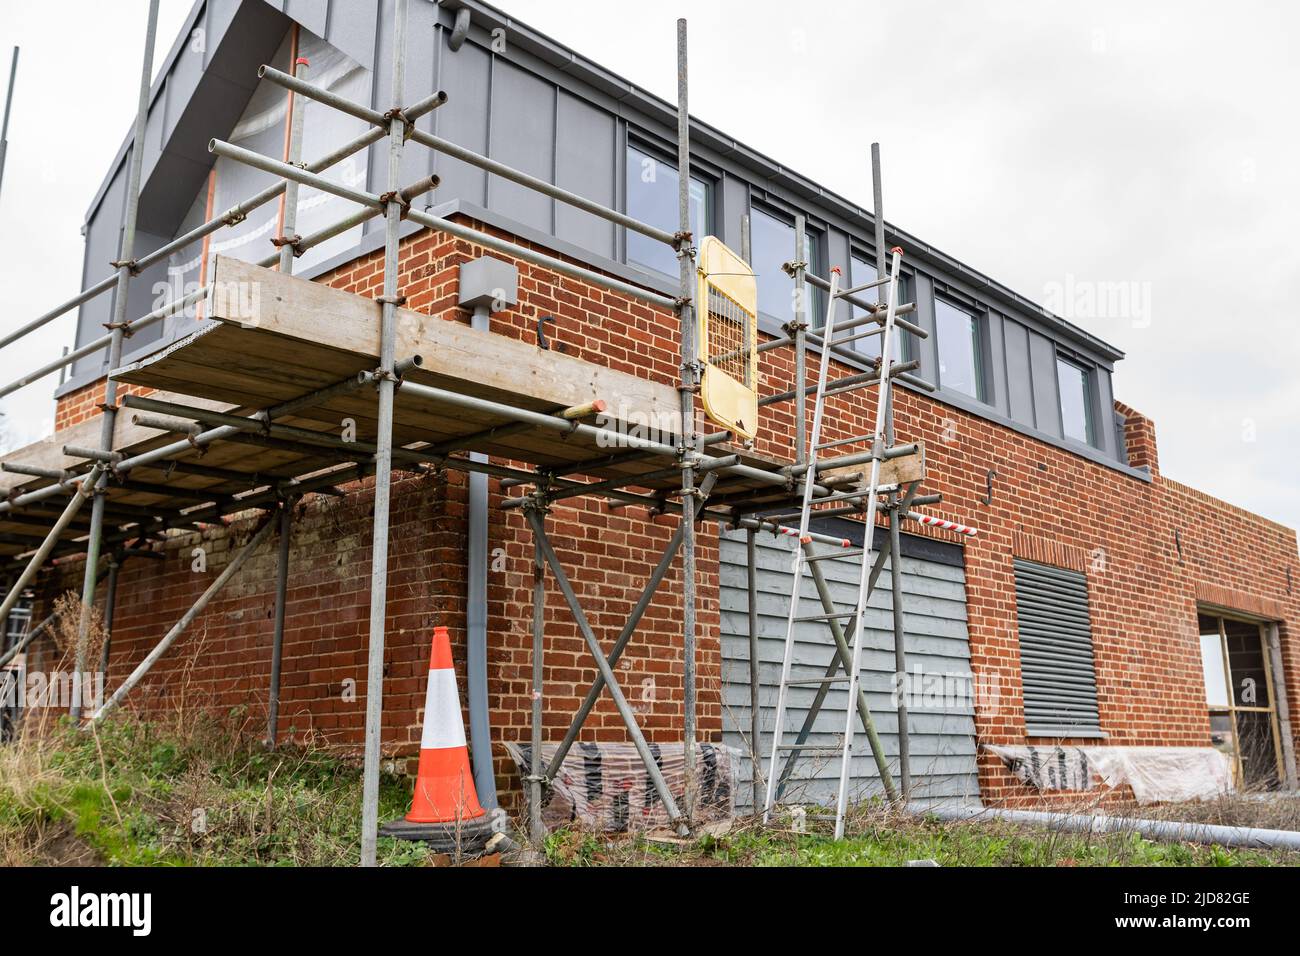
[1155,774]
[1048,768]
[1159,774]
[604,786]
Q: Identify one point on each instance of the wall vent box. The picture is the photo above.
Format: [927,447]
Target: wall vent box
[490,282]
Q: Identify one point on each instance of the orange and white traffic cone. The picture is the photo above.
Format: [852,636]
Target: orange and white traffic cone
[444,784]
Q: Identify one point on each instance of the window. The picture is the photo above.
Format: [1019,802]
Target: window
[960,349]
[772,245]
[1075,387]
[1056,665]
[1239,698]
[652,187]
[862,271]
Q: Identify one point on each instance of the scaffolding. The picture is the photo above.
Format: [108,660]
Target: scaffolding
[144,477]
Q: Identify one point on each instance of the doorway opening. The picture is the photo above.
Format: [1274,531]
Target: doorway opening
[1239,696]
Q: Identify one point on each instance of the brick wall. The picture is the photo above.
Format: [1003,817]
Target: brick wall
[84,403]
[1048,505]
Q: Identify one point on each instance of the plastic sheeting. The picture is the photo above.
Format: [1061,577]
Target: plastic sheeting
[1049,768]
[1155,774]
[604,786]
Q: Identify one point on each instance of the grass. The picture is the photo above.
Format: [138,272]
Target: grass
[879,837]
[186,788]
[198,791]
[136,793]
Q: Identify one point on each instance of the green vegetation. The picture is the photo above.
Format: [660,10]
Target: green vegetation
[197,790]
[879,838]
[136,793]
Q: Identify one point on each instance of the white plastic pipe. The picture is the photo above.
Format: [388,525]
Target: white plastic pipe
[1168,830]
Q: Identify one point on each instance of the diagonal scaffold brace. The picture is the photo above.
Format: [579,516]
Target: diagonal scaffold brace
[179,628]
[536,522]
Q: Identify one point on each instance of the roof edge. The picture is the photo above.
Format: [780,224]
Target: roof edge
[574,63]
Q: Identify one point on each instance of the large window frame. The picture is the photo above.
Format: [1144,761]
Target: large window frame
[870,345]
[1086,380]
[814,242]
[654,248]
[978,345]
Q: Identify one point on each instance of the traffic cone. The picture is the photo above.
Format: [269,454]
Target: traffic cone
[444,784]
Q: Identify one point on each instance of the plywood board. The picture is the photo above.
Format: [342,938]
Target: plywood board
[893,471]
[48,452]
[277,338]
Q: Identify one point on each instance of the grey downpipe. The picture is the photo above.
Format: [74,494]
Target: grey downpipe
[476,558]
[1167,830]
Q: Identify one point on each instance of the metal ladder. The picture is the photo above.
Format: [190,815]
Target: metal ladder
[852,621]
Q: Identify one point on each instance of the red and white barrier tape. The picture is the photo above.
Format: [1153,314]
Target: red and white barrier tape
[942,523]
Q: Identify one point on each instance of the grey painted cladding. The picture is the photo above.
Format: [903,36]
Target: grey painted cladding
[540,107]
[206,82]
[941,736]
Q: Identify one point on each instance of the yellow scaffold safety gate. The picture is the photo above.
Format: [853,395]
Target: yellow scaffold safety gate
[727,300]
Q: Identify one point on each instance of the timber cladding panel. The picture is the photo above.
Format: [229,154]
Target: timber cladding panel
[1048,505]
[941,719]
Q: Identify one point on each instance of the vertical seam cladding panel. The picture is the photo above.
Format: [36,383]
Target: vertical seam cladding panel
[941,727]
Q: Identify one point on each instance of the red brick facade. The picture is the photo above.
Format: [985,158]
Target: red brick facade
[1048,505]
[84,403]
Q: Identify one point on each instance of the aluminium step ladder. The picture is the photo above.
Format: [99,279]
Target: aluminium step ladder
[853,621]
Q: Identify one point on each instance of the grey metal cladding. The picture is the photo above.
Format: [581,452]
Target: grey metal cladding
[313,14]
[1020,388]
[926,349]
[1105,400]
[1056,657]
[997,365]
[463,120]
[181,81]
[533,104]
[1042,358]
[144,295]
[585,163]
[732,206]
[229,39]
[522,136]
[236,39]
[347,25]
[417,81]
[103,240]
[835,248]
[942,737]
[352,26]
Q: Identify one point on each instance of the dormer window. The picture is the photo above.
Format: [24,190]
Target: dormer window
[1074,382]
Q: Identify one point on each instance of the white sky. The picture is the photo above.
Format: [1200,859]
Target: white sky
[1080,147]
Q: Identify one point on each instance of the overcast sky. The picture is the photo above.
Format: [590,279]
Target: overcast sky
[1135,167]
